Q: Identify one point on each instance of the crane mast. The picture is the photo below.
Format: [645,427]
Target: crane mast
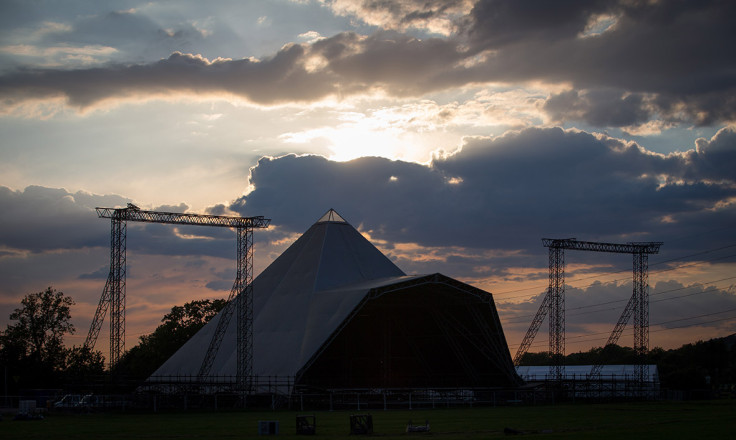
[240,298]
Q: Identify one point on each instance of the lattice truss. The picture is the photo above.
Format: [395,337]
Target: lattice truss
[240,298]
[553,303]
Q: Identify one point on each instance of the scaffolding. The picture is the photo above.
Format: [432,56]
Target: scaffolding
[113,294]
[554,303]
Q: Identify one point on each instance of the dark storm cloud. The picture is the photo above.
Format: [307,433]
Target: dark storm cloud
[277,79]
[672,305]
[602,108]
[393,62]
[397,63]
[508,192]
[713,159]
[594,185]
[669,60]
[671,299]
[497,23]
[662,46]
[40,219]
[401,14]
[502,193]
[295,190]
[678,50]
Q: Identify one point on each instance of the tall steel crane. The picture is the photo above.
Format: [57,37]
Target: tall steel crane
[113,295]
[554,301]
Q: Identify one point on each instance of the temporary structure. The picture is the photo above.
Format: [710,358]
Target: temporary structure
[332,311]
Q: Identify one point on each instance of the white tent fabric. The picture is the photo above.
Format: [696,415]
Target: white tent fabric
[581,372]
[299,300]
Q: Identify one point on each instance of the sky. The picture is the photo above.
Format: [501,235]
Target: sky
[454,134]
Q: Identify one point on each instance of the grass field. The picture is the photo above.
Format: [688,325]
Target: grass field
[651,420]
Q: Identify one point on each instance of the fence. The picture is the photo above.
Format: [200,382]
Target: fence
[277,392]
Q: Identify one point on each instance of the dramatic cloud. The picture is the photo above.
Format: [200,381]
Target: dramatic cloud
[436,16]
[271,81]
[508,192]
[602,108]
[713,159]
[496,196]
[44,219]
[497,23]
[174,104]
[53,237]
[648,60]
[593,310]
[676,50]
[40,219]
[476,214]
[346,64]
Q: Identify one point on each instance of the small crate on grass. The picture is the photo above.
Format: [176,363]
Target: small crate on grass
[411,427]
[361,424]
[268,427]
[306,425]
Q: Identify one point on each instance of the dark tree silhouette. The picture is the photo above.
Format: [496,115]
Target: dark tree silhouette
[177,327]
[38,333]
[82,362]
[32,349]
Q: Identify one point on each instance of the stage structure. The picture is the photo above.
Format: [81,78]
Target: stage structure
[554,303]
[332,312]
[113,295]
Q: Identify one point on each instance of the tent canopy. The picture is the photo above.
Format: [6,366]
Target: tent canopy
[330,290]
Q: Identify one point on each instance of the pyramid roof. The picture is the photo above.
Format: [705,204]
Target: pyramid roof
[298,301]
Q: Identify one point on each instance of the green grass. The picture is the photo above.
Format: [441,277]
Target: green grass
[650,420]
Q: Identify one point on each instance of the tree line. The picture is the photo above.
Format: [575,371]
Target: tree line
[32,352]
[707,364]
[33,355]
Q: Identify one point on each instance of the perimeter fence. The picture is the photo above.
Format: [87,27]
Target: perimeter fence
[177,393]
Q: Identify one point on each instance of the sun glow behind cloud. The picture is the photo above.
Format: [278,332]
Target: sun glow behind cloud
[391,132]
[411,131]
[353,141]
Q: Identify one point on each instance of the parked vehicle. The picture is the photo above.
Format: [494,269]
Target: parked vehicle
[68,401]
[91,401]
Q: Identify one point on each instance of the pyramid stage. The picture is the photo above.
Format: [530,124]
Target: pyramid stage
[334,313]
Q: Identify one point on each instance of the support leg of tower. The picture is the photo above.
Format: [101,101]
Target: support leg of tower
[102,306]
[641,314]
[595,371]
[240,301]
[245,309]
[556,294]
[117,288]
[531,333]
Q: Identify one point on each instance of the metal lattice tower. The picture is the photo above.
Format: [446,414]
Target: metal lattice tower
[533,328]
[113,295]
[554,302]
[240,300]
[556,292]
[641,313]
[117,287]
[617,330]
[245,311]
